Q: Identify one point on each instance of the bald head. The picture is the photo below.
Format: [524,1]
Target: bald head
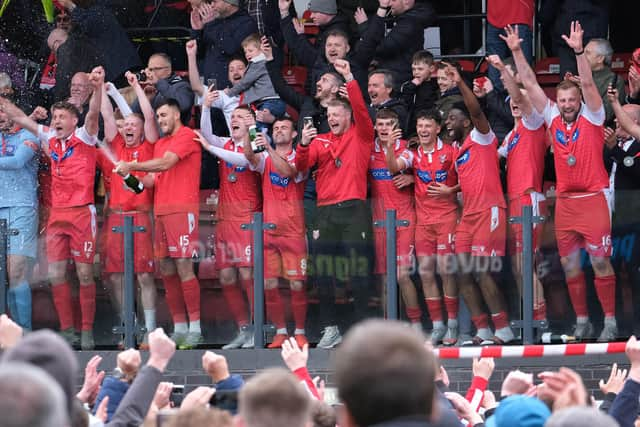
[56,38]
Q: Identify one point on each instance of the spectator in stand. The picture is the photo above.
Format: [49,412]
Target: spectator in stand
[634,84]
[380,87]
[135,143]
[385,194]
[274,397]
[267,17]
[501,13]
[255,88]
[74,53]
[582,210]
[557,17]
[71,231]
[495,103]
[176,168]
[342,183]
[406,37]
[19,207]
[164,84]
[599,53]
[221,38]
[239,199]
[622,155]
[449,92]
[481,232]
[524,147]
[421,92]
[96,21]
[433,165]
[80,94]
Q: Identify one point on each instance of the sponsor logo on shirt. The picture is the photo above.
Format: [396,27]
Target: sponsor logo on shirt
[562,139]
[66,155]
[381,174]
[234,167]
[464,158]
[441,176]
[513,142]
[278,180]
[425,176]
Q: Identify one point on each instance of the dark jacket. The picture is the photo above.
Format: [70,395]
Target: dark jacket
[220,40]
[113,388]
[134,406]
[625,406]
[74,55]
[103,29]
[627,182]
[405,38]
[447,100]
[496,106]
[172,87]
[418,98]
[397,106]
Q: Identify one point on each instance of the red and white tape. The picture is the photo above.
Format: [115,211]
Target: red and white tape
[530,350]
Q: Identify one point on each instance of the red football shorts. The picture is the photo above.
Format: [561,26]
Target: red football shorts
[113,245]
[514,232]
[285,256]
[71,233]
[482,233]
[233,245]
[583,222]
[438,238]
[404,245]
[176,235]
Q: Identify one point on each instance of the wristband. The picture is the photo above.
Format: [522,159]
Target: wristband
[579,53]
[384,7]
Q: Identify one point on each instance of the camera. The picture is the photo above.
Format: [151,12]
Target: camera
[141,76]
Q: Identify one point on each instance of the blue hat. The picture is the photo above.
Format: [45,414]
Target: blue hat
[519,411]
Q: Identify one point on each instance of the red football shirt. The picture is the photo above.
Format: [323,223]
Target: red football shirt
[524,148]
[431,167]
[120,197]
[384,194]
[240,194]
[584,140]
[73,167]
[178,189]
[283,197]
[479,173]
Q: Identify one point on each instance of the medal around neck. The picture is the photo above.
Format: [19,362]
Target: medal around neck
[628,161]
[232,177]
[338,162]
[571,160]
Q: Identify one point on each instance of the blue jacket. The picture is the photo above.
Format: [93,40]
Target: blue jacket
[115,389]
[19,169]
[221,40]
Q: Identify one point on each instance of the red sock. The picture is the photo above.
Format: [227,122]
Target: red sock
[62,302]
[247,285]
[275,307]
[435,308]
[451,304]
[88,305]
[299,307]
[174,298]
[481,321]
[414,314]
[500,320]
[606,290]
[540,312]
[235,301]
[578,294]
[191,292]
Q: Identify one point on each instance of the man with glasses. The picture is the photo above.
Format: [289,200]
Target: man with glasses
[162,83]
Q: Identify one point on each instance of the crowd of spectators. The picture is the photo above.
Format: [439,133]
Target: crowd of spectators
[379,124]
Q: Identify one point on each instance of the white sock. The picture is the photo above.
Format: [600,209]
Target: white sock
[298,331]
[452,323]
[582,319]
[438,324]
[194,326]
[281,331]
[180,328]
[610,319]
[150,320]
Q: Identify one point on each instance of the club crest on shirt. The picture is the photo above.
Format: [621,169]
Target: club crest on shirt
[8,151]
[442,158]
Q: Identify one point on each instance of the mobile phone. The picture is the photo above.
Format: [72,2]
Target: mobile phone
[177,394]
[225,399]
[212,83]
[307,121]
[614,81]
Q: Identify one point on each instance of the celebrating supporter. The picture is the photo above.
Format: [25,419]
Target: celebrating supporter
[71,228]
[341,158]
[421,92]
[239,200]
[176,177]
[524,147]
[19,207]
[583,216]
[481,232]
[436,212]
[380,87]
[449,92]
[135,144]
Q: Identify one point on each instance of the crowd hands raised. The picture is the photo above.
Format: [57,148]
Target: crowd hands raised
[409,386]
[396,136]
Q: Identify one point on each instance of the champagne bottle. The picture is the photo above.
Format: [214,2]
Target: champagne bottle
[549,338]
[253,132]
[133,183]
